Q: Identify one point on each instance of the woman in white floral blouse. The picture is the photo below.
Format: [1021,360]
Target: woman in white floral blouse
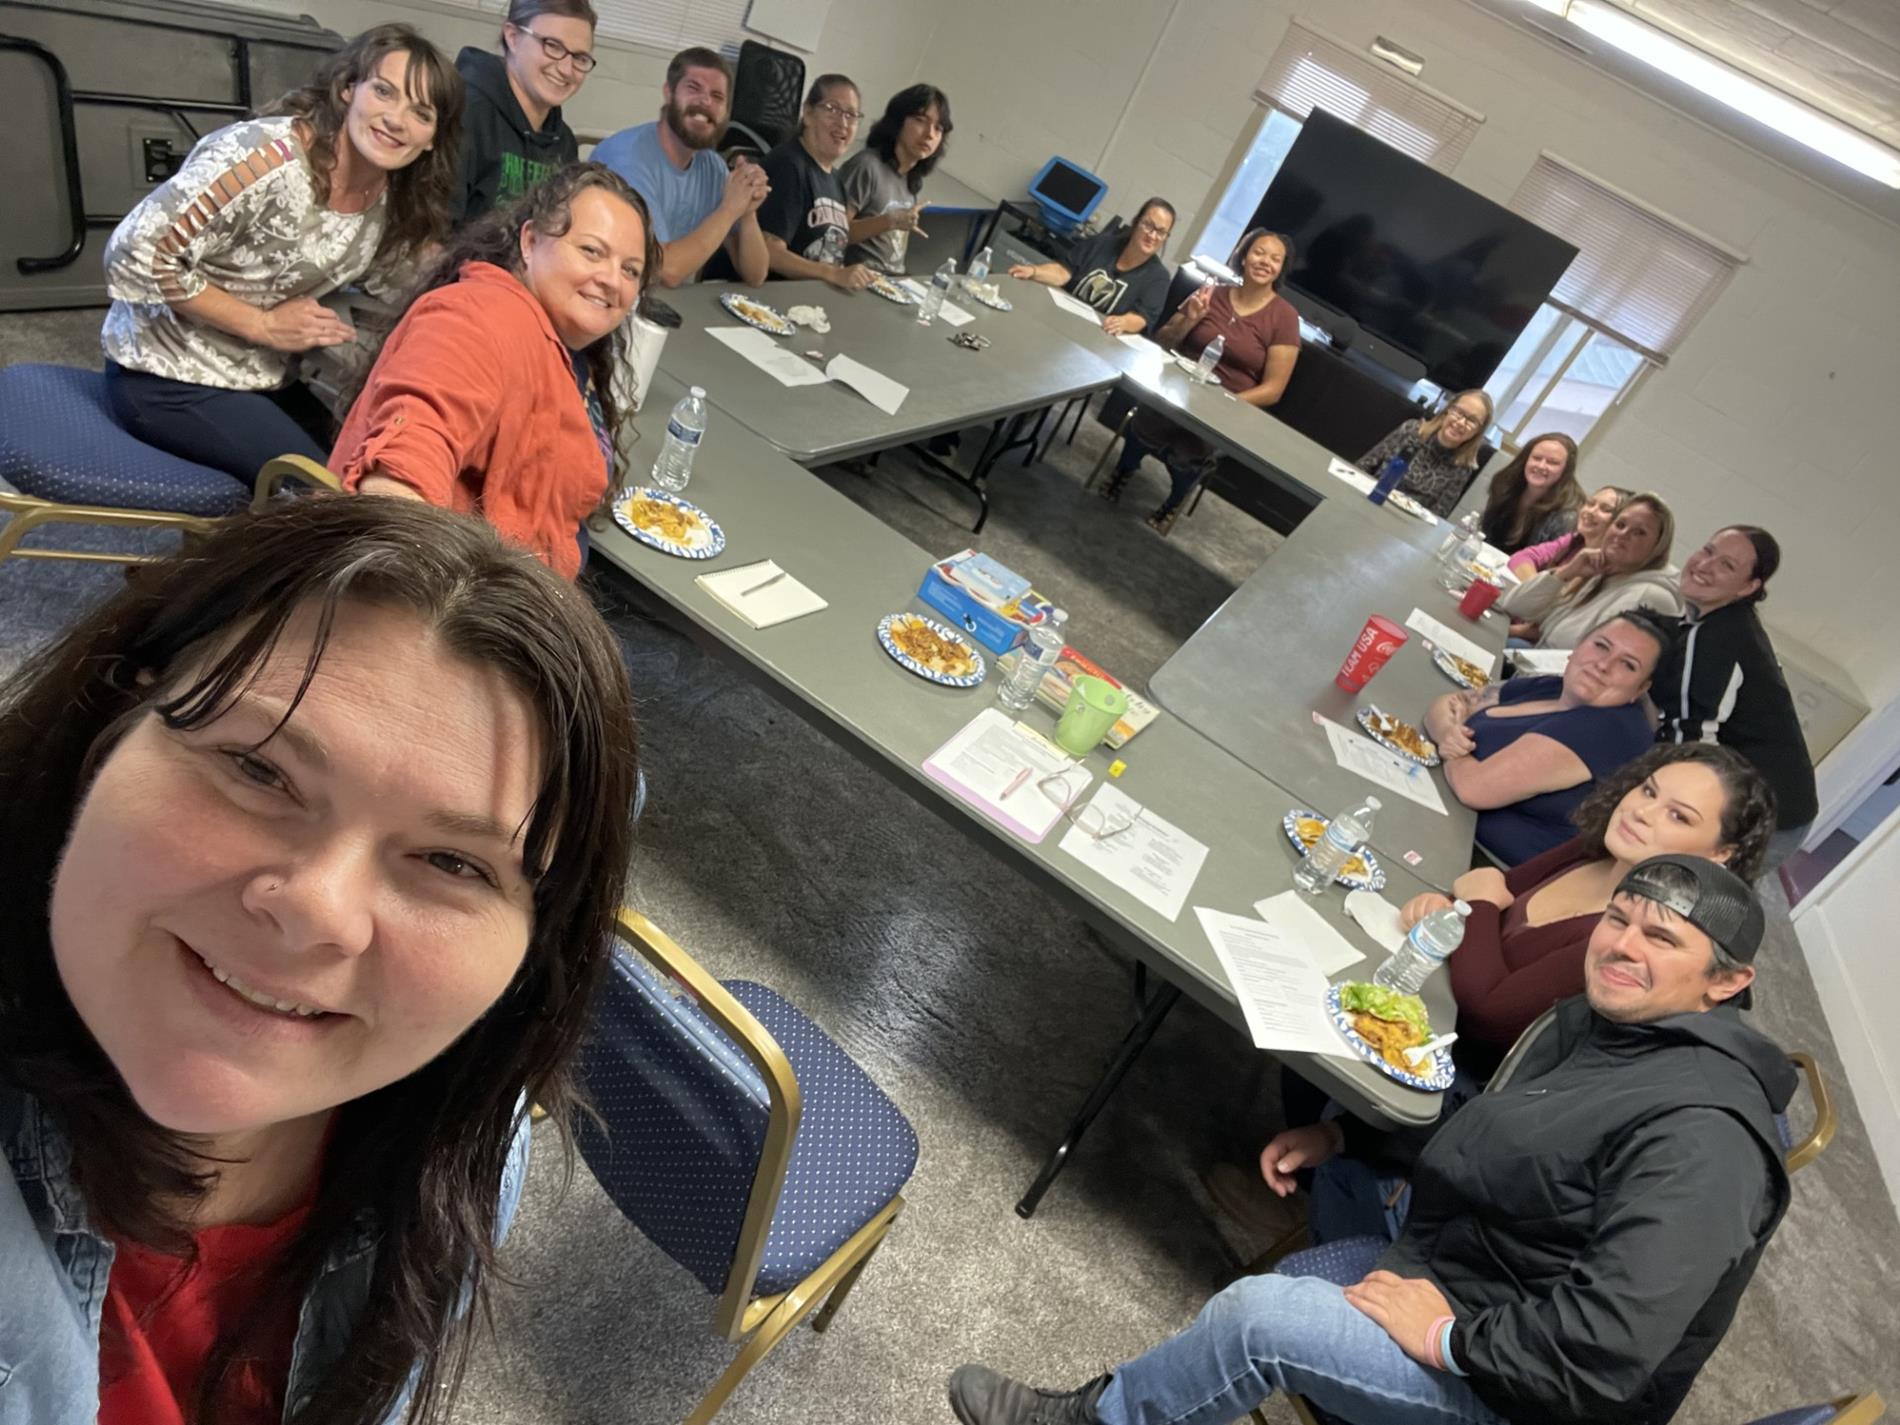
[216,276]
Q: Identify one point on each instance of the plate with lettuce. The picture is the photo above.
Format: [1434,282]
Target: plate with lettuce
[1380,1024]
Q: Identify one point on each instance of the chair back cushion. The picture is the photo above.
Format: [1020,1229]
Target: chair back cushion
[685,1119]
[768,92]
[58,442]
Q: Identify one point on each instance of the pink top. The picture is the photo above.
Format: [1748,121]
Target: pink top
[1551,551]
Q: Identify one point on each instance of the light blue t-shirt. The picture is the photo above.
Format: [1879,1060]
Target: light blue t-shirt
[678,201]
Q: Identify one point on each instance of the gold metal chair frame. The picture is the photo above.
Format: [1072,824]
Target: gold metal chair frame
[1853,1409]
[29,513]
[762,1322]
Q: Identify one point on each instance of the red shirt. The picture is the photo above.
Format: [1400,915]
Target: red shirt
[1243,360]
[163,1314]
[473,404]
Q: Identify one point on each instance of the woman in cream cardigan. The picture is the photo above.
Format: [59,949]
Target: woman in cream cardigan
[1631,569]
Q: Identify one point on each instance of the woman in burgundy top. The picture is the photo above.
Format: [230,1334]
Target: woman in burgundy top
[1524,943]
[1261,341]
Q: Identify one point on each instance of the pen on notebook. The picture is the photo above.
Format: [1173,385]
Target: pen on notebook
[762,584]
[1014,782]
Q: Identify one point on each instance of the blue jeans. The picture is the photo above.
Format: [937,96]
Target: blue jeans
[1300,1334]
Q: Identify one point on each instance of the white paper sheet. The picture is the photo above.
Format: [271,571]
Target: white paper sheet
[1377,916]
[994,764]
[1282,996]
[1452,641]
[1154,861]
[783,365]
[1072,306]
[954,315]
[877,388]
[1351,475]
[762,594]
[1387,769]
[1293,915]
[1540,660]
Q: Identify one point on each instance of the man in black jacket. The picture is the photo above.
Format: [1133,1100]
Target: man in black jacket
[1578,1237]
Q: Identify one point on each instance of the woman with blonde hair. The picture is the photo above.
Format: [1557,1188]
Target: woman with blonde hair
[1593,522]
[1440,454]
[1535,497]
[1630,570]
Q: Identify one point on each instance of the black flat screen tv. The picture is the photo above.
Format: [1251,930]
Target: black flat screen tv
[1414,257]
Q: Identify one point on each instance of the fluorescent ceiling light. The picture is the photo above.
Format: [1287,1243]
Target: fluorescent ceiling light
[1727,85]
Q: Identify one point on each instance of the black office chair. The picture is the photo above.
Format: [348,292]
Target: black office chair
[768,94]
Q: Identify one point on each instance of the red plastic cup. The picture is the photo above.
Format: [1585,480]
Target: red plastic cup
[1479,597]
[1377,641]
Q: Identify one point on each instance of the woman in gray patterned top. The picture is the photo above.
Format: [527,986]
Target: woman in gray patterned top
[1441,453]
[216,276]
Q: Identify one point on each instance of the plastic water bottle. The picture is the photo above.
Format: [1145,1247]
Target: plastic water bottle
[1042,646]
[1457,534]
[1210,358]
[683,431]
[1456,574]
[979,268]
[934,294]
[1427,946]
[1337,845]
[1390,474]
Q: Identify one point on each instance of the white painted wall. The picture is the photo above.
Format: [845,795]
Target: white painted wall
[1777,411]
[1846,931]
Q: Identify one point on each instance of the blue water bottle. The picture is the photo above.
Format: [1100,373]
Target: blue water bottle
[1389,477]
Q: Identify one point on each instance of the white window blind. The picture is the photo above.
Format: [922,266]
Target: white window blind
[668,25]
[1640,274]
[1311,71]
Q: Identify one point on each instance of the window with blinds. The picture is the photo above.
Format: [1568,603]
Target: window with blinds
[669,25]
[1311,71]
[1639,274]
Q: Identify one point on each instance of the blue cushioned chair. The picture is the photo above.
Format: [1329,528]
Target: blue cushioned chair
[73,464]
[741,1140]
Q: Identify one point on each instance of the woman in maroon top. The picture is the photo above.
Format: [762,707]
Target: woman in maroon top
[1524,943]
[1261,336]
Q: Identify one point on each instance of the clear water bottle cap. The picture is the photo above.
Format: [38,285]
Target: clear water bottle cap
[1461,908]
[699,391]
[1374,803]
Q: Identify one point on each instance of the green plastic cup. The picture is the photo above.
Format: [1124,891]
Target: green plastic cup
[1094,705]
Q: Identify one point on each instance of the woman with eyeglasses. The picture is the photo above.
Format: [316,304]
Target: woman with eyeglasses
[1119,273]
[514,135]
[806,223]
[1441,454]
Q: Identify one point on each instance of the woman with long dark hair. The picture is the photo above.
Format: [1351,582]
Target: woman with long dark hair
[884,182]
[494,394]
[1535,497]
[316,835]
[216,275]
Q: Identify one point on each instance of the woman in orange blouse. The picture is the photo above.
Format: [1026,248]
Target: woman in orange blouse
[493,395]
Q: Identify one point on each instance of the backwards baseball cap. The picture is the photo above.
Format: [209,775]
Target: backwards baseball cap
[1708,895]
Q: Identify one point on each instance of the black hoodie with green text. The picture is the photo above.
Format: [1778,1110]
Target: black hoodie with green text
[503,155]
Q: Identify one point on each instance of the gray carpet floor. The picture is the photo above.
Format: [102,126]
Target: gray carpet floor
[986,1012]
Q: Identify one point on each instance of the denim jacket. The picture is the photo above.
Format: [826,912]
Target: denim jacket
[54,1268]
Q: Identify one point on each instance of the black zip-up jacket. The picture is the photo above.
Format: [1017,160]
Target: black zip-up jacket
[1721,682]
[503,156]
[1594,1215]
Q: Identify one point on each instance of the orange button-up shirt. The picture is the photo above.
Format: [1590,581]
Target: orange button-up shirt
[473,404]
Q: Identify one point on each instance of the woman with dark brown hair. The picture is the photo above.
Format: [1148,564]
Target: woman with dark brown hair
[1535,497]
[494,394]
[316,836]
[217,275]
[515,135]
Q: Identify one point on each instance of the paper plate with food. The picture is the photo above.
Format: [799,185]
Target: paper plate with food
[990,295]
[670,524]
[1398,735]
[890,291]
[1361,872]
[756,314]
[1381,1024]
[1399,500]
[931,650]
[1461,671]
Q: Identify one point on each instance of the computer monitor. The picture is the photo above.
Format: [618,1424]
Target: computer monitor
[1067,193]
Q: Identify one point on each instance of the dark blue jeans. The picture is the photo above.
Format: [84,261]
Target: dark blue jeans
[232,431]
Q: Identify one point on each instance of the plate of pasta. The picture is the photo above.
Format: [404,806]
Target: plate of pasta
[757,314]
[670,524]
[931,650]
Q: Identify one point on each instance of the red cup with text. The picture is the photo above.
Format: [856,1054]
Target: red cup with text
[1377,641]
[1479,597]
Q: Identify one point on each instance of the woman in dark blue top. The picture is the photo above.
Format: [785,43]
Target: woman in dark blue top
[1525,752]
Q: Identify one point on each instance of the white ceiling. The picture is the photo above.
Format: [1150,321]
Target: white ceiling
[1840,56]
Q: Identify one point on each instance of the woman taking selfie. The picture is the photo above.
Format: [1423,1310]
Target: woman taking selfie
[216,275]
[318,833]
[1535,497]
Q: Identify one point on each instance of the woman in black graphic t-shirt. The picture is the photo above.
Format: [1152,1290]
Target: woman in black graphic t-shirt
[804,218]
[1118,273]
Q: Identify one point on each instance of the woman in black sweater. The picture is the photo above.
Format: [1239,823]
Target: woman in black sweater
[1721,681]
